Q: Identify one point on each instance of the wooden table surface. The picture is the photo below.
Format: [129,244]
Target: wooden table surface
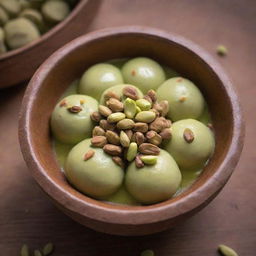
[28,216]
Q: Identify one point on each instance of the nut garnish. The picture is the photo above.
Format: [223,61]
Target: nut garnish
[152,95]
[112,137]
[226,251]
[89,154]
[116,117]
[154,138]
[99,141]
[149,149]
[115,105]
[124,139]
[104,111]
[125,124]
[98,131]
[138,137]
[63,103]
[24,250]
[140,127]
[159,124]
[74,109]
[118,160]
[130,109]
[104,124]
[132,151]
[145,116]
[111,94]
[48,249]
[188,135]
[112,150]
[138,162]
[166,134]
[131,92]
[150,160]
[95,116]
[143,104]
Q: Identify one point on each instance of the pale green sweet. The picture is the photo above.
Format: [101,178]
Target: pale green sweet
[4,17]
[122,197]
[2,45]
[12,7]
[193,154]
[98,176]
[34,16]
[185,99]
[55,11]
[118,90]
[20,32]
[69,127]
[144,73]
[154,183]
[98,78]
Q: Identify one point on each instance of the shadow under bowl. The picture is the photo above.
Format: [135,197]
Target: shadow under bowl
[68,64]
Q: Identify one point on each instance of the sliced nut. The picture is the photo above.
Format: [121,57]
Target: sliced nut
[111,94]
[129,133]
[98,131]
[104,124]
[124,139]
[152,95]
[226,251]
[89,154]
[140,127]
[150,134]
[154,138]
[95,116]
[74,109]
[159,124]
[188,135]
[130,92]
[150,160]
[132,151]
[164,104]
[115,105]
[112,150]
[130,108]
[116,117]
[155,111]
[149,149]
[99,141]
[118,160]
[63,103]
[138,162]
[143,104]
[138,137]
[145,116]
[146,97]
[138,109]
[166,134]
[112,137]
[125,124]
[104,111]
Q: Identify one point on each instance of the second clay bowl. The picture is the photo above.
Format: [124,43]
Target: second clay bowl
[68,64]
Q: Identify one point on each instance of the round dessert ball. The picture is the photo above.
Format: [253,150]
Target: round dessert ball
[118,90]
[185,99]
[143,72]
[12,7]
[70,120]
[192,143]
[20,32]
[98,176]
[98,78]
[154,183]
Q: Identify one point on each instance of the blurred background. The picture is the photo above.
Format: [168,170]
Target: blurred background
[27,215]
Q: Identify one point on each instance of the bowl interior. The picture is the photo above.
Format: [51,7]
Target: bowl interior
[70,62]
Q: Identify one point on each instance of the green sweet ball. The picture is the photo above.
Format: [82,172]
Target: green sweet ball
[154,183]
[98,78]
[69,127]
[20,32]
[196,153]
[118,90]
[98,176]
[55,11]
[185,99]
[144,73]
[4,17]
[12,7]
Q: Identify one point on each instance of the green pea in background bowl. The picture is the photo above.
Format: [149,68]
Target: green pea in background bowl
[68,64]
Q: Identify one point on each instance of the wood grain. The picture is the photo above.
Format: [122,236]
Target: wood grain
[27,215]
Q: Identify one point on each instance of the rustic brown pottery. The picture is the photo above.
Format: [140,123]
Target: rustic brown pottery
[67,64]
[19,65]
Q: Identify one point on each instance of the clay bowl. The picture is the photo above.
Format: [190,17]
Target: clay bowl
[19,65]
[67,64]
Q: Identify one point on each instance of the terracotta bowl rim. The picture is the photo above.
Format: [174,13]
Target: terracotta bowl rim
[56,29]
[134,215]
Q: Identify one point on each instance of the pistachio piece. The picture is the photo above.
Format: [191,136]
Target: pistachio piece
[124,139]
[138,137]
[154,138]
[104,124]
[24,250]
[89,154]
[105,111]
[115,105]
[166,134]
[152,95]
[159,124]
[111,94]
[149,149]
[140,127]
[125,124]
[98,131]
[150,160]
[132,151]
[188,135]
[99,141]
[129,133]
[164,105]
[112,150]
[130,92]
[226,251]
[95,116]
[48,249]
[112,137]
[130,108]
[145,116]
[118,160]
[138,109]
[74,109]
[222,50]
[146,97]
[143,104]
[116,117]
[138,162]
[37,253]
